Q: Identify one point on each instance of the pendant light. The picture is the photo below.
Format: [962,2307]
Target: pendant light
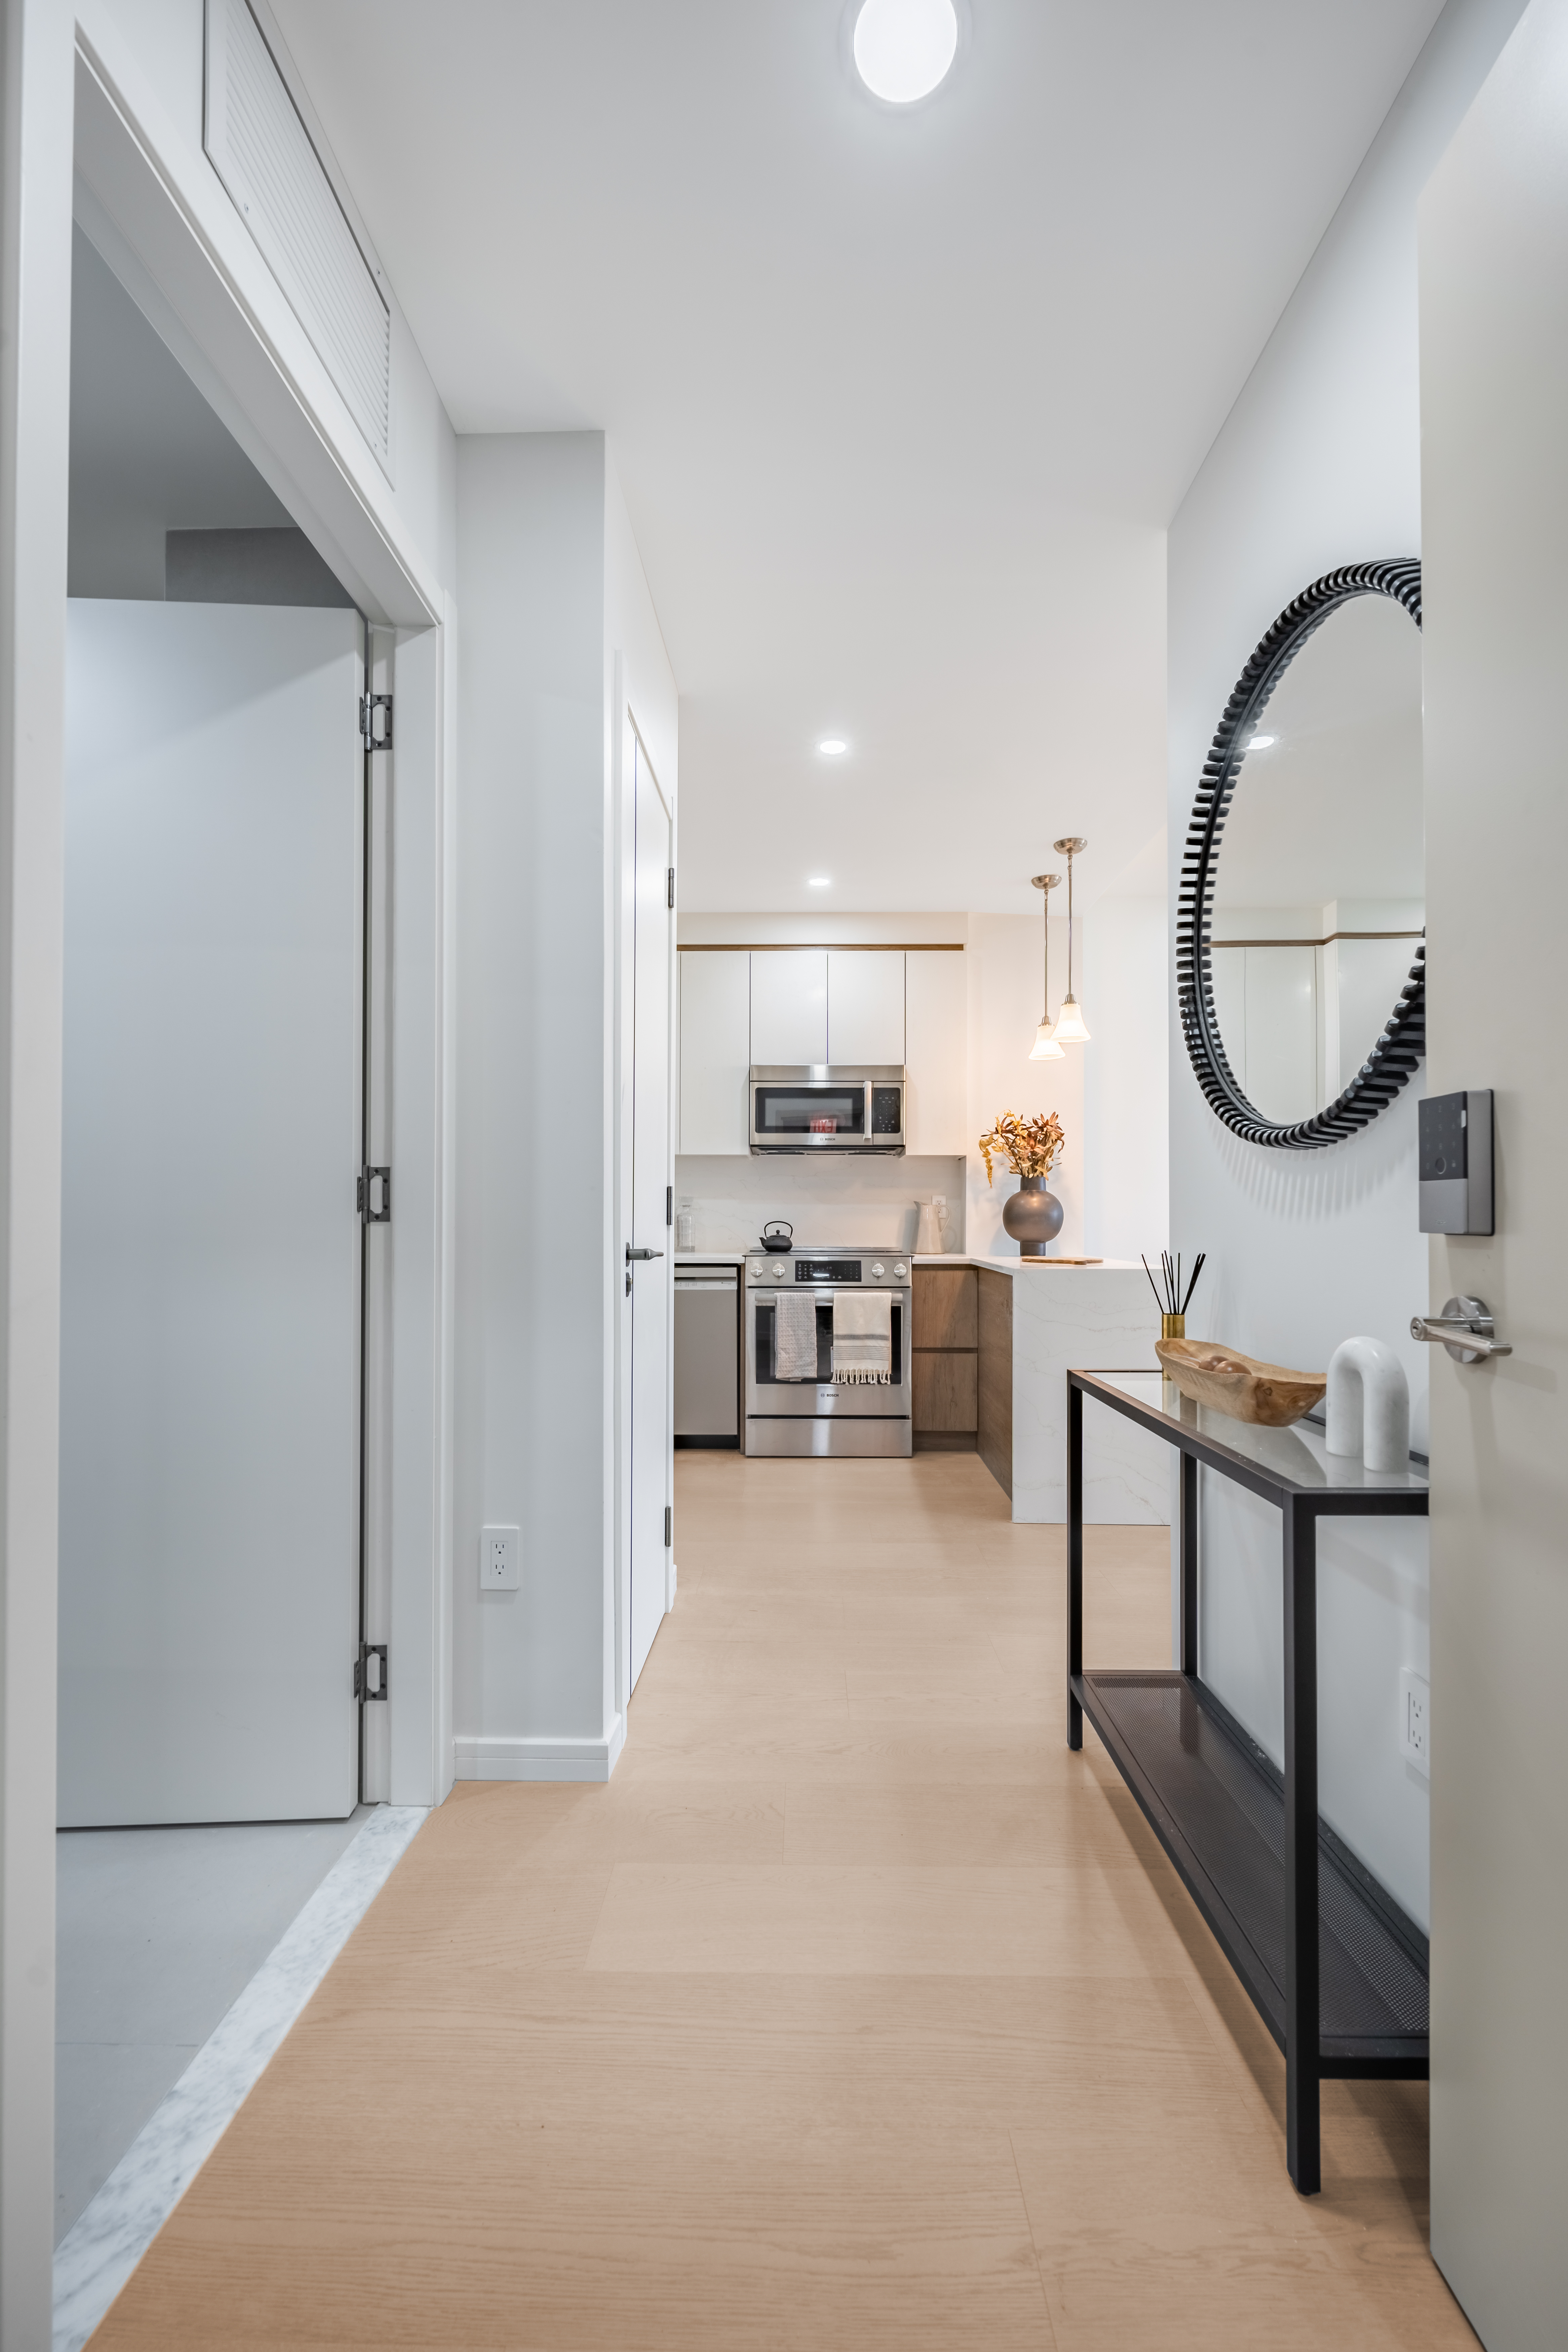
[1071,1026]
[1045,1047]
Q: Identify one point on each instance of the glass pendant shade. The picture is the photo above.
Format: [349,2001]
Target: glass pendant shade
[1045,1047]
[1070,1022]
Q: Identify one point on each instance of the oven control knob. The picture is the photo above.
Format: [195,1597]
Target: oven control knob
[899,1271]
[755,1269]
[878,1270]
[777,1272]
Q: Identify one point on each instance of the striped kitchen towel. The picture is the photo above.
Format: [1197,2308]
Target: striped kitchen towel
[862,1339]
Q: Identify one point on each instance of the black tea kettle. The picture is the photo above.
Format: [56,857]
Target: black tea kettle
[778,1234]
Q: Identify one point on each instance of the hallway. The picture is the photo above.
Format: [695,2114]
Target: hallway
[855,2012]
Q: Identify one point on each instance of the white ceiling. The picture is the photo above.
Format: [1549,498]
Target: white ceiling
[902,402]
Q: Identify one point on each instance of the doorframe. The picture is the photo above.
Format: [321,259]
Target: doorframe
[83,135]
[626,740]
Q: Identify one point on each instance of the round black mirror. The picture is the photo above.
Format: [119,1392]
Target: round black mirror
[1300,947]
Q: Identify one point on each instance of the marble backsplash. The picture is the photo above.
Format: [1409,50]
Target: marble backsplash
[873,1205]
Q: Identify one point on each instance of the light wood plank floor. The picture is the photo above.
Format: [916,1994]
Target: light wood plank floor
[854,2013]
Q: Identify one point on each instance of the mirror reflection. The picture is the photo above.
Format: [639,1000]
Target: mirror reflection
[1319,903]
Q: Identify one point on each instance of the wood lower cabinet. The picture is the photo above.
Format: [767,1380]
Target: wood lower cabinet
[994,1361]
[944,1359]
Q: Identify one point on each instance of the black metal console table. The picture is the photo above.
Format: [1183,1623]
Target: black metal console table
[1336,1969]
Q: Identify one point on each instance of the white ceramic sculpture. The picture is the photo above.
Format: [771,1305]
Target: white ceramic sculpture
[1367,1409]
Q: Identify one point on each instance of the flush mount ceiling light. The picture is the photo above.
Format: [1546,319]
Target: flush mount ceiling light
[1262,742]
[1071,1026]
[903,47]
[818,882]
[1045,1047]
[833,747]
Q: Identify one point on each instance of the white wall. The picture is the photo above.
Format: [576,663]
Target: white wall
[1317,465]
[1125,994]
[556,611]
[1005,983]
[534,1394]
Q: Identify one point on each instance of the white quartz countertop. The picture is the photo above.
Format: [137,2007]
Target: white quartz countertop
[1028,1265]
[948,1257]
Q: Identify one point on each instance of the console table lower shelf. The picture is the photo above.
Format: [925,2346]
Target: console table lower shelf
[1334,1966]
[1217,1802]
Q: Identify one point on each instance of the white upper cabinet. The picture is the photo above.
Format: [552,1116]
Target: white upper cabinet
[789,1006]
[865,1005]
[936,1107]
[715,1048]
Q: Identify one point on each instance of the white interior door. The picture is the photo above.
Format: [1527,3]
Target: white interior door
[1494,473]
[210,1387]
[651,1447]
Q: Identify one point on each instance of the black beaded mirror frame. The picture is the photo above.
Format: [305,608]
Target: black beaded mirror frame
[1403,1040]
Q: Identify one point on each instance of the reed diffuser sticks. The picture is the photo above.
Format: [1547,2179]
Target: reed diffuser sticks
[1169,1295]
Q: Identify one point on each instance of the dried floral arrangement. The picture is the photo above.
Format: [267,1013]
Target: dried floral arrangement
[1030,1147]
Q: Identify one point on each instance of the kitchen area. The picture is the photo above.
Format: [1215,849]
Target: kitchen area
[825,1304]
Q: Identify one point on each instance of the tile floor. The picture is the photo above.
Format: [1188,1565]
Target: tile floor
[158,1931]
[854,2012]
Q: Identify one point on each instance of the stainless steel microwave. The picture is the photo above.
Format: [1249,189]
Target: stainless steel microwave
[858,1107]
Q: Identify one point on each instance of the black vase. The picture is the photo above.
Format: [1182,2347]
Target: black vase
[1032,1215]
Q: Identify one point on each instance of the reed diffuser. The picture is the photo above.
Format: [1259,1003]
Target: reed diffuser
[1169,1295]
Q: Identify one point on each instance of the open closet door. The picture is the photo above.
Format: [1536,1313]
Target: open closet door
[210,1387]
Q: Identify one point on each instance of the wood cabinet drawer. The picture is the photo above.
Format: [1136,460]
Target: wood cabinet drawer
[945,1306]
[944,1388]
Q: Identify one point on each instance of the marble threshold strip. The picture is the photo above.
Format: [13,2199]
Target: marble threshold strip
[104,2246]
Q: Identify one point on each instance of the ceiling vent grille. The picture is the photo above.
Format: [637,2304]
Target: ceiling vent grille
[264,153]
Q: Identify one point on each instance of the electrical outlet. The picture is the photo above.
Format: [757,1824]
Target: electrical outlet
[1416,1719]
[497,1560]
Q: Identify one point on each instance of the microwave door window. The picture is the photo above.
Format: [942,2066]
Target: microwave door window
[810,1110]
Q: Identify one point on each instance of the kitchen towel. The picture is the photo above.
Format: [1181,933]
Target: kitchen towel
[862,1339]
[795,1335]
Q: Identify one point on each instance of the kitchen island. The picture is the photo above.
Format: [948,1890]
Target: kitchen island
[995,1339]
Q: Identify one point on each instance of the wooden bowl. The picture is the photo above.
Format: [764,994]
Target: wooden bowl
[1239,1385]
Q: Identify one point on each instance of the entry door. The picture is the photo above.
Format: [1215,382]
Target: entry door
[650,1178]
[1494,393]
[210,1385]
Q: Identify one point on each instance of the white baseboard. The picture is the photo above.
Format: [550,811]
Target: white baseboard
[540,1759]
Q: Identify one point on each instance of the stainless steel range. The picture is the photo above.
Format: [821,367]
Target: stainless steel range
[796,1406]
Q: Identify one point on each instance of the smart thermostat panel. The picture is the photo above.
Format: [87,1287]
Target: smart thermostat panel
[1456,1163]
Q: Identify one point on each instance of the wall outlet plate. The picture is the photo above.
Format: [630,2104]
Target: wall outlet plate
[1416,1719]
[499,1549]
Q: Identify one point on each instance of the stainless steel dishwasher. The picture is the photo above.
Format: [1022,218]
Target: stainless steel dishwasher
[707,1355]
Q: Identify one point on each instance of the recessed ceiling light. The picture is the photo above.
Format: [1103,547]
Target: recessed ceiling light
[818,882]
[904,47]
[1262,742]
[832,747]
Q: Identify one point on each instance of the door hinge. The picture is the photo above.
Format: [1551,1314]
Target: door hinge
[369,1672]
[372,739]
[670,900]
[669,1529]
[670,1204]
[375,1210]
